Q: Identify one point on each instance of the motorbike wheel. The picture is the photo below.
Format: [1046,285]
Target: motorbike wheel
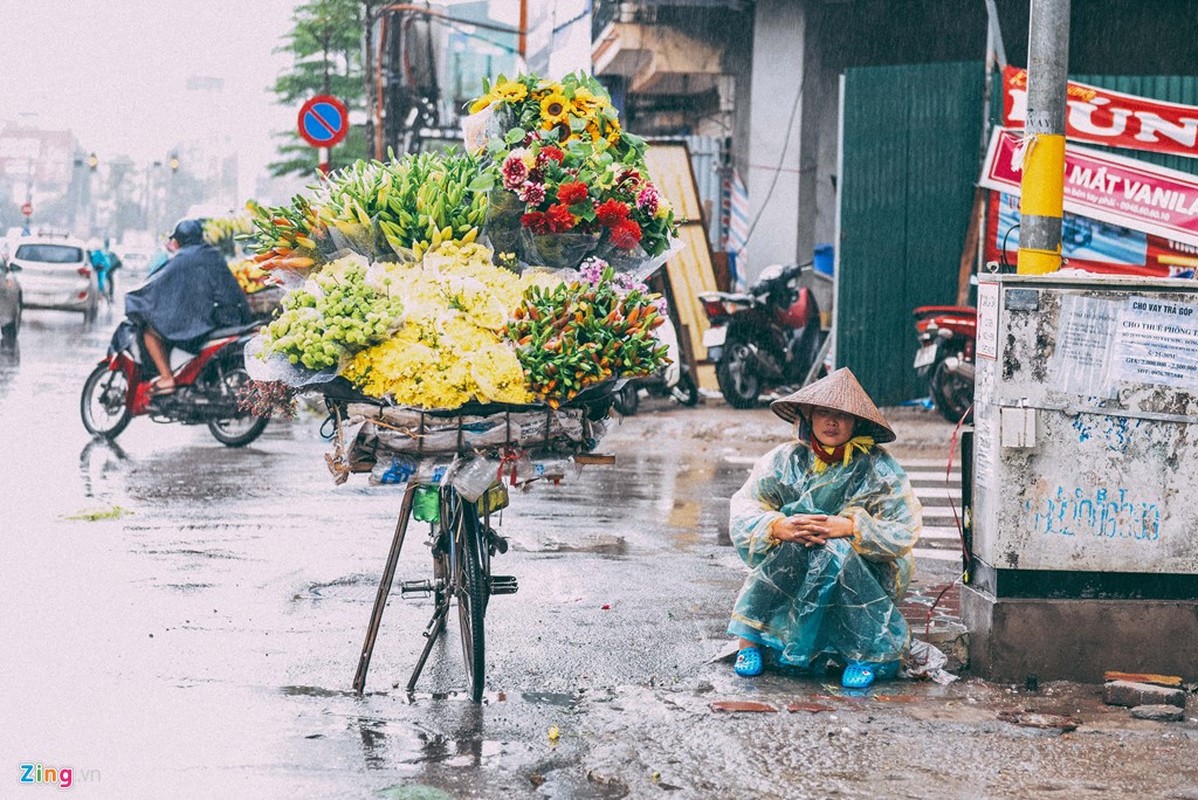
[242,428]
[737,376]
[102,405]
[627,400]
[952,394]
[686,392]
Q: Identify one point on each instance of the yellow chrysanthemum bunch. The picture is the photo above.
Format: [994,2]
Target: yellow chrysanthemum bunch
[449,350]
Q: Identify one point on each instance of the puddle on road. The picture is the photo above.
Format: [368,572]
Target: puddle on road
[187,588]
[353,588]
[190,551]
[559,699]
[318,691]
[600,545]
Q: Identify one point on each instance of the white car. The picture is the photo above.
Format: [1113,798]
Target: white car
[135,263]
[56,273]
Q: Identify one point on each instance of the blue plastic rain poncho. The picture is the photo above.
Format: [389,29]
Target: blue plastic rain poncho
[838,599]
[192,295]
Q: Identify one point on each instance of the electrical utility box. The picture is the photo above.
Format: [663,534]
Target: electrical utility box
[1084,517]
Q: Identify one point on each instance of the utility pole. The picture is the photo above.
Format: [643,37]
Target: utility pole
[368,67]
[1042,190]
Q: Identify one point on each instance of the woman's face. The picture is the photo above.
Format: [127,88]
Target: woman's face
[832,428]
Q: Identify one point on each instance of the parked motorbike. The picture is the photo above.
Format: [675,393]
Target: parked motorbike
[207,386]
[945,358]
[764,338]
[672,380]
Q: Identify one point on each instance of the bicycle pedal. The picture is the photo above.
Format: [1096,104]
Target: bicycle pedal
[503,584]
[424,587]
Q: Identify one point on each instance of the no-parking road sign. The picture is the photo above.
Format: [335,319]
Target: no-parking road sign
[323,121]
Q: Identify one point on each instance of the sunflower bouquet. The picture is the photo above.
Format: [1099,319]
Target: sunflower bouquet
[572,182]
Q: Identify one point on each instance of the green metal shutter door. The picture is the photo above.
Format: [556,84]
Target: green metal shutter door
[911,138]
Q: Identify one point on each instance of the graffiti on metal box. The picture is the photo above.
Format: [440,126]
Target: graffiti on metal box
[1115,431]
[1098,512]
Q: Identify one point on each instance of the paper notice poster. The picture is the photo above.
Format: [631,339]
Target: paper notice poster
[1081,357]
[1156,341]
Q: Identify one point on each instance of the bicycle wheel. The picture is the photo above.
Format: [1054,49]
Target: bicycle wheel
[471,593]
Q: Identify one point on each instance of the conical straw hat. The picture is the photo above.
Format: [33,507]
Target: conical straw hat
[842,392]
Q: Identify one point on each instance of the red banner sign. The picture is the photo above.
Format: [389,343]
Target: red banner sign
[1121,191]
[1111,118]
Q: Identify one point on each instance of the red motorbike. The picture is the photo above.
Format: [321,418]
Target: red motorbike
[945,358]
[207,387]
[765,338]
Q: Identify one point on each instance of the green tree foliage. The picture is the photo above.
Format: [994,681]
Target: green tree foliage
[326,47]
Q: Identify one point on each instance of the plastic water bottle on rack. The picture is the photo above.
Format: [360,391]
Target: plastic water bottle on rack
[426,504]
[472,478]
[431,470]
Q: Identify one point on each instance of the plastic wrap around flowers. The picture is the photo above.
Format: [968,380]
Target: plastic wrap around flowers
[572,183]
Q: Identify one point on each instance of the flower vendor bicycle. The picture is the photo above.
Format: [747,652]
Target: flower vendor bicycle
[462,543]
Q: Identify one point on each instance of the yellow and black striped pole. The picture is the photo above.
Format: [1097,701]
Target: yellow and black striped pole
[1042,190]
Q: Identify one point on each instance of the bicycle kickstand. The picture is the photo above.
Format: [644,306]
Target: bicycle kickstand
[436,626]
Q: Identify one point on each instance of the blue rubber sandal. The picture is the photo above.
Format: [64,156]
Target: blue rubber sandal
[862,674]
[748,662]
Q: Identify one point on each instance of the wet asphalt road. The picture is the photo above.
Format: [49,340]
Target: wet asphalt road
[203,643]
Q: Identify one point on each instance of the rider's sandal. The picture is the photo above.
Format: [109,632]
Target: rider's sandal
[862,674]
[748,662]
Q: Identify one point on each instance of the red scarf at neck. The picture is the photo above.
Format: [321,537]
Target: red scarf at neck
[821,452]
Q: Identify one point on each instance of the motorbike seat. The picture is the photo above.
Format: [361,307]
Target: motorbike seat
[923,312]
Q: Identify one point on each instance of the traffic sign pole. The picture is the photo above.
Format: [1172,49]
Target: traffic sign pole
[323,158]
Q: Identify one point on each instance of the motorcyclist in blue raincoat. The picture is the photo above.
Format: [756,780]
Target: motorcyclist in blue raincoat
[105,262]
[188,298]
[826,524]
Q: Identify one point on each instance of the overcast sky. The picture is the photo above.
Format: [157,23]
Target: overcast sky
[114,71]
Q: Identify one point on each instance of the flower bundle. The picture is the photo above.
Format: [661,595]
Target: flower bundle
[339,311]
[583,333]
[573,181]
[576,108]
[223,232]
[250,276]
[396,208]
[449,350]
